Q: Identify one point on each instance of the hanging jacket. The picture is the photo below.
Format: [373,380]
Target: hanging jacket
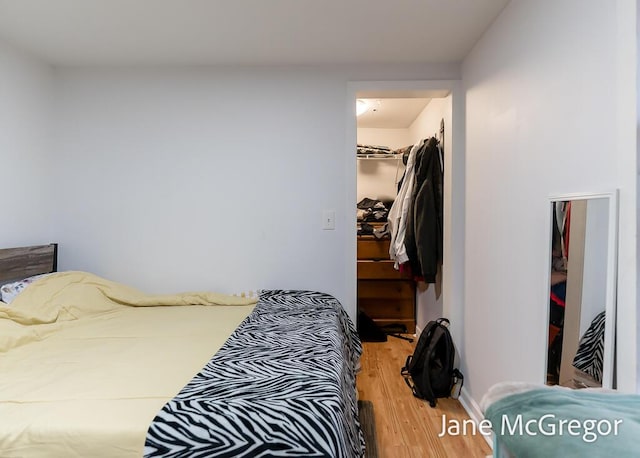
[398,212]
[423,238]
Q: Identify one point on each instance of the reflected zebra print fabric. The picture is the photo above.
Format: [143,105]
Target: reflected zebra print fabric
[283,385]
[590,353]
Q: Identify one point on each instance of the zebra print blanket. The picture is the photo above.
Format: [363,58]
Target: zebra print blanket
[590,353]
[282,385]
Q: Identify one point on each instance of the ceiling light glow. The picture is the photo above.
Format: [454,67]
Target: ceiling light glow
[361,107]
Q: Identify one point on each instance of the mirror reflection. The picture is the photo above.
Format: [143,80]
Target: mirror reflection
[578,292]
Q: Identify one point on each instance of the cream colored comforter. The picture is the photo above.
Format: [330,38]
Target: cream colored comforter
[86,363]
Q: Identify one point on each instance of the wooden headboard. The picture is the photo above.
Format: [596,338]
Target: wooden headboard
[17,263]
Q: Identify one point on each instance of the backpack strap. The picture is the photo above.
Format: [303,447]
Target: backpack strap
[444,322]
[412,386]
[407,377]
[428,393]
[405,370]
[458,382]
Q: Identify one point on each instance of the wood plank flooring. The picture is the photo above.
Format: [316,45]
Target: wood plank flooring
[406,426]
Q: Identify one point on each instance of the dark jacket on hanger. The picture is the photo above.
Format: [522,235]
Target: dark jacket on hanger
[423,238]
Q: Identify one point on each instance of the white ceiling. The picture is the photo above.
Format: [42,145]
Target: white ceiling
[230,32]
[391,113]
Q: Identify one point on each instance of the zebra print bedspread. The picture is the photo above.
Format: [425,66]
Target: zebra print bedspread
[282,385]
[590,353]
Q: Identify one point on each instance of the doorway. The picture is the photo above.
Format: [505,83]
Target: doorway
[444,298]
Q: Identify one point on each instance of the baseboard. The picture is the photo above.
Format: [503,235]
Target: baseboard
[474,411]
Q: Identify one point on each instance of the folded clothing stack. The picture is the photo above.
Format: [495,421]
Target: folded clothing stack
[364,150]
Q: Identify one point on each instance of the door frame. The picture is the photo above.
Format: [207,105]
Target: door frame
[454,196]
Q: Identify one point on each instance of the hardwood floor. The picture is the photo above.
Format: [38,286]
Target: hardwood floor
[406,426]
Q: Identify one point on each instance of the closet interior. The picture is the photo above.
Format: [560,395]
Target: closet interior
[400,175]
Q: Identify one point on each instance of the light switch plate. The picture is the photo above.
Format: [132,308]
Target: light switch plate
[328,220]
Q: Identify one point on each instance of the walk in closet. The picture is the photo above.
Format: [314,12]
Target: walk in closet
[397,296]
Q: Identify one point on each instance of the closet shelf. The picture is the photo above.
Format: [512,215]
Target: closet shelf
[380,156]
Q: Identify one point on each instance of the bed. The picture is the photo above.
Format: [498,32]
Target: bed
[94,368]
[540,421]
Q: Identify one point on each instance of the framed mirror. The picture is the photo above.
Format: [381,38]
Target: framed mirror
[581,291]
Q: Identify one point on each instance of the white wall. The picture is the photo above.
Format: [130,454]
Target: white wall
[637,76]
[543,97]
[393,138]
[25,101]
[210,178]
[378,178]
[427,123]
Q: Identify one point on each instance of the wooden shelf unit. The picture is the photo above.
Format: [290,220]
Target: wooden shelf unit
[386,295]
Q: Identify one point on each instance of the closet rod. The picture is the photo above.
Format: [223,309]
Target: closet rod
[379,156]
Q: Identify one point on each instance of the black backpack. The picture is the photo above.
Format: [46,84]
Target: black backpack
[429,372]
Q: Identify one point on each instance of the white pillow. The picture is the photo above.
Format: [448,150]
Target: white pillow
[11,290]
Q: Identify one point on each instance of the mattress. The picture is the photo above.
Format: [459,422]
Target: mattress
[105,380]
[282,385]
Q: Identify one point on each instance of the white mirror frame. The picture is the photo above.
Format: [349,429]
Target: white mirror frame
[608,358]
